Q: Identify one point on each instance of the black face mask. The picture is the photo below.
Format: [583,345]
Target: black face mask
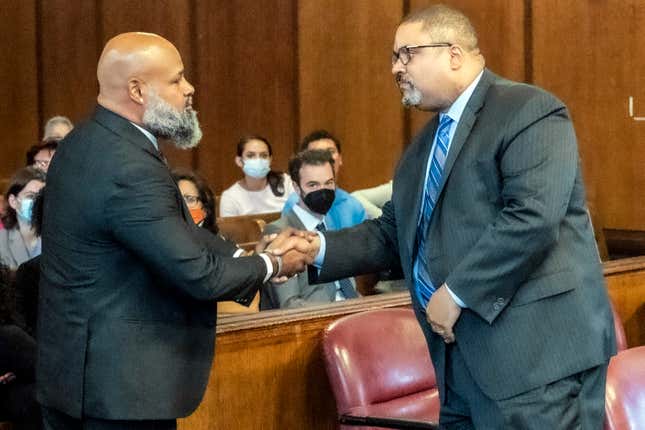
[320,201]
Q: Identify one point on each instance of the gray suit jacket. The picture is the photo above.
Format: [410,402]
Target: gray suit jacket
[12,249]
[128,283]
[509,234]
[297,292]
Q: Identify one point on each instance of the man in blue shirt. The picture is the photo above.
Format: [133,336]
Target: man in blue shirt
[346,211]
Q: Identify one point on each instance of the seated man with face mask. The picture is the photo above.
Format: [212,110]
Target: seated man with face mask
[312,173]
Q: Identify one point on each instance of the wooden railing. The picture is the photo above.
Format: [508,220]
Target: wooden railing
[268,371]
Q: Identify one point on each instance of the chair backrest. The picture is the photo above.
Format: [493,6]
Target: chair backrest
[376,356]
[621,339]
[241,229]
[625,391]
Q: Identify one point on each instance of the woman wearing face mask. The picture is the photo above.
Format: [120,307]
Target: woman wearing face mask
[261,190]
[18,241]
[198,198]
[200,202]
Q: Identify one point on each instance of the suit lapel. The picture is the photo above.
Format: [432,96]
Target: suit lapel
[414,180]
[294,221]
[465,125]
[124,128]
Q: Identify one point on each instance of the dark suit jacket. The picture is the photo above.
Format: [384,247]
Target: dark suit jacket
[128,282]
[510,235]
[297,292]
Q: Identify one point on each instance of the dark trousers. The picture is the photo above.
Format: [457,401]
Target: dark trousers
[55,420]
[574,402]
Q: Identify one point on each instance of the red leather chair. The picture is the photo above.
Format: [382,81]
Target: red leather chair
[625,391]
[380,371]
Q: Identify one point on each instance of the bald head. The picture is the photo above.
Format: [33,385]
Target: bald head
[132,66]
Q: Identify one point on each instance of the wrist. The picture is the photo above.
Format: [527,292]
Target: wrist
[276,261]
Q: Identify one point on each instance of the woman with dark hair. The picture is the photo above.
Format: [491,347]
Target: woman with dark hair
[199,200]
[18,241]
[198,197]
[261,190]
[41,154]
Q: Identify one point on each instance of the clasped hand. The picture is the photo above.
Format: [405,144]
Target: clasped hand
[296,248]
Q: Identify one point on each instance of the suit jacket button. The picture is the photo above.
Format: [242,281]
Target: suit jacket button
[497,306]
[500,301]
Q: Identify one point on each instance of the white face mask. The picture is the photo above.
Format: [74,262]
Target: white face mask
[257,167]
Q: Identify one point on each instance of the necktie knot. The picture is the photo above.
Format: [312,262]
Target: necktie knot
[321,227]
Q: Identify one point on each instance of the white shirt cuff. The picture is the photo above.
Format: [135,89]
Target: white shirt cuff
[238,253]
[269,265]
[455,298]
[320,257]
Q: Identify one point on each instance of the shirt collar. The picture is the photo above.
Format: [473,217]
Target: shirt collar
[149,135]
[457,108]
[309,220]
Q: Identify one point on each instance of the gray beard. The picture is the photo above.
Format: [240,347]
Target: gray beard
[411,97]
[162,120]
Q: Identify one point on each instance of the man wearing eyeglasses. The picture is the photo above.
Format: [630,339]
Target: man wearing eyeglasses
[489,222]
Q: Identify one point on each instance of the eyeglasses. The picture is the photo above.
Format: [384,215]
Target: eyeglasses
[43,164]
[191,201]
[405,52]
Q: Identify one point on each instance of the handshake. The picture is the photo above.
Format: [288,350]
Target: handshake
[290,251]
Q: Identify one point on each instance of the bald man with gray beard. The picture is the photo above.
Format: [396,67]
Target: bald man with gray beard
[129,282]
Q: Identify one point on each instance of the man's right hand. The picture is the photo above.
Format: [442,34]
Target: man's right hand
[296,248]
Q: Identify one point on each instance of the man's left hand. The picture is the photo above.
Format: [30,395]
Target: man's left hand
[442,314]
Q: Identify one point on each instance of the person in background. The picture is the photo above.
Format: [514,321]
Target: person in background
[41,154]
[198,197]
[3,209]
[346,210]
[27,278]
[313,178]
[201,204]
[374,198]
[57,127]
[18,241]
[17,363]
[262,190]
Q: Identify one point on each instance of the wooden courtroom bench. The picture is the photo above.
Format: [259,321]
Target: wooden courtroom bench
[245,230]
[268,371]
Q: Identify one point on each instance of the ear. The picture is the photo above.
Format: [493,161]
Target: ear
[296,187]
[457,57]
[239,162]
[339,160]
[136,90]
[13,202]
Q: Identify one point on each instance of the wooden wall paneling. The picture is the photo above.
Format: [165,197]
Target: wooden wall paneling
[69,51]
[500,26]
[18,85]
[589,54]
[172,19]
[344,50]
[246,55]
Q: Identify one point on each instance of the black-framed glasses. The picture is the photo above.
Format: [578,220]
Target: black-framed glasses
[191,201]
[405,52]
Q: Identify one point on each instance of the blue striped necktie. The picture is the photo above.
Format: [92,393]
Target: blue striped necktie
[345,285]
[422,281]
